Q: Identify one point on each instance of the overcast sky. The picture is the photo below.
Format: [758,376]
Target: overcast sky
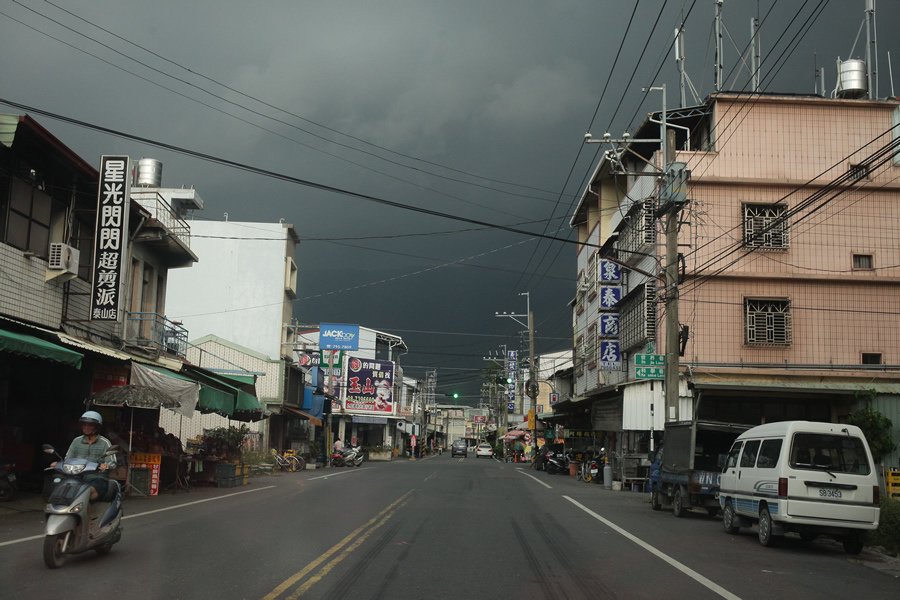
[475,109]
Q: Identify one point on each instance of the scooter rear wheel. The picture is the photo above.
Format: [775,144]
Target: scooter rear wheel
[53,555]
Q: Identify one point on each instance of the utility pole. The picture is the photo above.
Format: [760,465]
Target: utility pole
[720,59]
[531,387]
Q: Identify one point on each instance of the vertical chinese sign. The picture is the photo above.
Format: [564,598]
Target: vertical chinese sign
[609,346]
[110,238]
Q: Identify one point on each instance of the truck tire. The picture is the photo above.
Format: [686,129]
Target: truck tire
[728,518]
[655,503]
[765,526]
[678,508]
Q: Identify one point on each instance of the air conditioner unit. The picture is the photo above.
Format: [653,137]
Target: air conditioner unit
[62,261]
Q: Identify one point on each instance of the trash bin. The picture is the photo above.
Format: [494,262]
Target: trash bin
[573,468]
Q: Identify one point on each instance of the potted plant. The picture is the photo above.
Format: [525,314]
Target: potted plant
[378,452]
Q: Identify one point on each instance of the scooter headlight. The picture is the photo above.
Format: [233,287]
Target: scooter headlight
[73,469]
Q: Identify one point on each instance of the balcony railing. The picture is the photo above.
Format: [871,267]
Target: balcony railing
[152,330]
[162,211]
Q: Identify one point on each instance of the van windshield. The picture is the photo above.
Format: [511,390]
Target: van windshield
[829,452]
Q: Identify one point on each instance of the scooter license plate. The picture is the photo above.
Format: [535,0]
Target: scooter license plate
[594,471]
[11,477]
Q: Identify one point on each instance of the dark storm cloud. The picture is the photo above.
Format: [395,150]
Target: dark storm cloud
[505,89]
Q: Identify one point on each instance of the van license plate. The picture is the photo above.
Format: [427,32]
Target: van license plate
[829,493]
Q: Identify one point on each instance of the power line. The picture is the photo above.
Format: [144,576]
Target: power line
[272,106]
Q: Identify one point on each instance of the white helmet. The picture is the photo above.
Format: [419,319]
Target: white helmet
[92,416]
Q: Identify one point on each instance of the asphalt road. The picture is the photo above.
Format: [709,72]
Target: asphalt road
[432,529]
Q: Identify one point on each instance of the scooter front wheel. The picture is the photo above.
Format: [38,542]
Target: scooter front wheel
[53,546]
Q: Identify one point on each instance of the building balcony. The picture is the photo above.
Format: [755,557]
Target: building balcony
[165,231]
[154,332]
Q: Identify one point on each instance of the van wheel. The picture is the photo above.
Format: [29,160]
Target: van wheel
[728,518]
[765,526]
[853,544]
[655,504]
[678,508]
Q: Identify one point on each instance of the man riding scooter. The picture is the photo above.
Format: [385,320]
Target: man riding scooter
[92,446]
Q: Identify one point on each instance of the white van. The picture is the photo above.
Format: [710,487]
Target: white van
[803,477]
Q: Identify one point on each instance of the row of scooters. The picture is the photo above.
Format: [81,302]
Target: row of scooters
[590,467]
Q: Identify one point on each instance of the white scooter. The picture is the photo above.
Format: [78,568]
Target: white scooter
[353,456]
[73,523]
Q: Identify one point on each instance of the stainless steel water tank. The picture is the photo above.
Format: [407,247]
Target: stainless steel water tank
[852,79]
[149,173]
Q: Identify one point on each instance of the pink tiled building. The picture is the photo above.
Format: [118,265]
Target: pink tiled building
[789,295]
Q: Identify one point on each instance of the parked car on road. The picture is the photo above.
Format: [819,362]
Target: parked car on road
[803,477]
[459,448]
[484,449]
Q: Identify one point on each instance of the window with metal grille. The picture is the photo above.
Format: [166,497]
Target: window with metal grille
[592,274]
[638,316]
[863,261]
[871,358]
[639,231]
[590,347]
[578,355]
[767,322]
[858,172]
[765,226]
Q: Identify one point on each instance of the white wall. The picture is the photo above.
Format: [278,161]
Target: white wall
[236,290]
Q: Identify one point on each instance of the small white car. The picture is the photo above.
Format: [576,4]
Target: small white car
[484,449]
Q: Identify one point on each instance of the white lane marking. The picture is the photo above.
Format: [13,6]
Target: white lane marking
[336,473]
[150,512]
[432,476]
[536,479]
[707,583]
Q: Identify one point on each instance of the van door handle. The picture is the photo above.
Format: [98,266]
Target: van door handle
[739,474]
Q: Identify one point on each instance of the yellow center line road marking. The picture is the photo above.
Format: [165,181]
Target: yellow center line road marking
[287,583]
[707,583]
[337,559]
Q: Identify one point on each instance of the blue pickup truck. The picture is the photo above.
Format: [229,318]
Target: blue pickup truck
[685,471]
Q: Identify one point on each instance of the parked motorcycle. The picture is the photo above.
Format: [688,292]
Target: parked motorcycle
[73,523]
[352,456]
[556,462]
[8,485]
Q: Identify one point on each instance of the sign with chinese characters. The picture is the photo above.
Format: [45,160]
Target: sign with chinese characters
[148,462]
[610,355]
[609,296]
[110,238]
[609,325]
[370,386]
[609,272]
[512,369]
[650,360]
[510,406]
[649,372]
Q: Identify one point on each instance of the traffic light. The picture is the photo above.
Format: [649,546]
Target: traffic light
[455,395]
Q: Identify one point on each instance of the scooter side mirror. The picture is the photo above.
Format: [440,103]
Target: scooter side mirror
[48,449]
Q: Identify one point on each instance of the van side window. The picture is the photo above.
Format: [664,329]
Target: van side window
[748,458]
[768,454]
[733,455]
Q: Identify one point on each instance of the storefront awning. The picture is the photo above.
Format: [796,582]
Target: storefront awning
[365,419]
[711,381]
[34,347]
[75,342]
[184,390]
[232,396]
[303,415]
